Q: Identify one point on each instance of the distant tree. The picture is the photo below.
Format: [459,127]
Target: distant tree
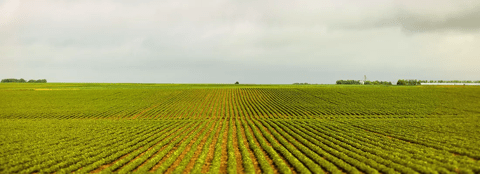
[8,80]
[348,82]
[12,80]
[236,83]
[408,82]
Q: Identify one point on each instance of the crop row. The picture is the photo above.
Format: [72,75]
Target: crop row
[294,103]
[264,145]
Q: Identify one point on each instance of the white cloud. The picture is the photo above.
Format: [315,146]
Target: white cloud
[7,12]
[258,42]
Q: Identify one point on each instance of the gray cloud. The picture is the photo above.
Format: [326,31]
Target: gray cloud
[464,21]
[221,41]
[430,16]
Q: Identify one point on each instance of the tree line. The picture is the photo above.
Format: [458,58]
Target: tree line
[12,80]
[419,82]
[360,82]
[400,82]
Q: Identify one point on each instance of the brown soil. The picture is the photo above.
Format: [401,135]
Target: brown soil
[191,164]
[251,154]
[271,109]
[389,137]
[279,154]
[145,110]
[211,110]
[122,157]
[171,151]
[238,155]
[203,106]
[224,157]
[99,169]
[185,151]
[208,160]
[470,158]
[267,157]
[156,153]
[287,140]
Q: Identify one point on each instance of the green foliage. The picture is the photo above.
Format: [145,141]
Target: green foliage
[216,162]
[408,82]
[12,80]
[141,128]
[376,82]
[301,83]
[348,82]
[23,81]
[231,160]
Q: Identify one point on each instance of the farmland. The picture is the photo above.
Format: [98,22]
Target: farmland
[195,128]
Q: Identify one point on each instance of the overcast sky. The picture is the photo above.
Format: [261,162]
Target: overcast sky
[221,41]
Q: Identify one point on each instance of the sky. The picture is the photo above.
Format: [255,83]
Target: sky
[224,41]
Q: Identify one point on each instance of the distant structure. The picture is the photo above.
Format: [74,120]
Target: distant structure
[364,80]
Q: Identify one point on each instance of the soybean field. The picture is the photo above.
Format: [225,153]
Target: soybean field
[213,128]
